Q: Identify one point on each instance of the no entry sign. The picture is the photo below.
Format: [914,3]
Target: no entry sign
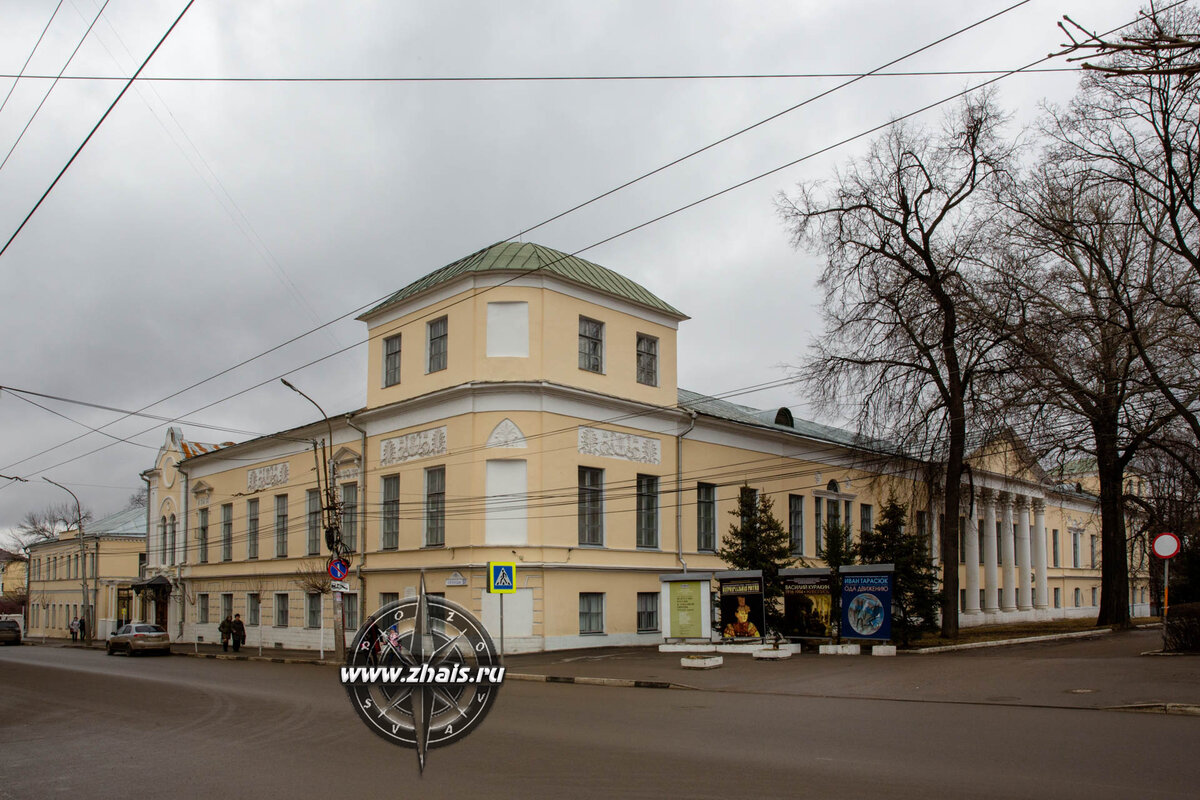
[1166,545]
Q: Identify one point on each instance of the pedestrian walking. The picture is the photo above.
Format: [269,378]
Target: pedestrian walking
[74,628]
[83,629]
[239,632]
[226,630]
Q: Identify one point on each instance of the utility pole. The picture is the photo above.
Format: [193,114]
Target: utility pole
[82,561]
[333,524]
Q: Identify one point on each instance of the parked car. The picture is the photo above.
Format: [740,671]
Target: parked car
[139,637]
[10,631]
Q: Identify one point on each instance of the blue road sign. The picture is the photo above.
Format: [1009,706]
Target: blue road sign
[338,569]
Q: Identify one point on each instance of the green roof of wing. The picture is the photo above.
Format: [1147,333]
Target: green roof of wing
[529,257]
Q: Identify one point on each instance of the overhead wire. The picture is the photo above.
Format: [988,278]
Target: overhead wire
[560,215]
[17,78]
[927,107]
[46,96]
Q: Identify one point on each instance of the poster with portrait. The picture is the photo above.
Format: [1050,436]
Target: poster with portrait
[807,604]
[866,604]
[742,610]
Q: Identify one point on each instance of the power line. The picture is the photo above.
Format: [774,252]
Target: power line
[17,78]
[536,78]
[857,76]
[874,129]
[46,96]
[95,128]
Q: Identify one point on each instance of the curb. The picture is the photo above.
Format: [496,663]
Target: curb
[1187,709]
[1004,642]
[624,683]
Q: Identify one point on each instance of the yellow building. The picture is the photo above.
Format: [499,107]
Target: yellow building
[90,576]
[522,406]
[13,575]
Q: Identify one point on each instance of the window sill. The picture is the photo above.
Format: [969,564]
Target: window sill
[438,546]
[591,546]
[648,632]
[592,633]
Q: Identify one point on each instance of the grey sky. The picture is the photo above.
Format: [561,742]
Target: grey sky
[209,221]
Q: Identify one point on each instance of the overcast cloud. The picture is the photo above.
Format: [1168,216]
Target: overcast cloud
[207,222]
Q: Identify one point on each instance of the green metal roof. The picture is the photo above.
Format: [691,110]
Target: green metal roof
[529,257]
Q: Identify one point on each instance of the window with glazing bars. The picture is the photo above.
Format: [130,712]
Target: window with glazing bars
[391,513]
[281,526]
[591,612]
[647,511]
[350,515]
[313,502]
[706,517]
[202,535]
[437,344]
[435,506]
[647,612]
[647,360]
[391,360]
[591,502]
[796,523]
[252,528]
[227,532]
[591,345]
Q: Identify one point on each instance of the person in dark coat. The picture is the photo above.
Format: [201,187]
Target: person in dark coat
[225,629]
[239,632]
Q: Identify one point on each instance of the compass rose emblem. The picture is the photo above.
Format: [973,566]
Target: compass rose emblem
[422,672]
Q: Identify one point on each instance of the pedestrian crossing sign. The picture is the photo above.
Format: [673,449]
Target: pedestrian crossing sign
[502,577]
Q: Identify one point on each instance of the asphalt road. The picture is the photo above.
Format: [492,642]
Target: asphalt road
[75,723]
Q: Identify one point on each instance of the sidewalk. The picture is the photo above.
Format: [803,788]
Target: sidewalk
[1102,671]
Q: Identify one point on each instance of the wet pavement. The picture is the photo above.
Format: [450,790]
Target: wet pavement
[1110,670]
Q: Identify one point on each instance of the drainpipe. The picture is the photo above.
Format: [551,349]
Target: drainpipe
[362,522]
[679,491]
[184,505]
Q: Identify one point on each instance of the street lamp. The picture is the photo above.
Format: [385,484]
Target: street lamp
[82,561]
[333,539]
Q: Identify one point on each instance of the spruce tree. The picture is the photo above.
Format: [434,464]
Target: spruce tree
[758,541]
[915,597]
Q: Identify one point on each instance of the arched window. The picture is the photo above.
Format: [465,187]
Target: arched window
[784,417]
[171,540]
[832,486]
[162,539]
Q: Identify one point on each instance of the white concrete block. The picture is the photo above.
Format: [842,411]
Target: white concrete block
[883,650]
[701,662]
[771,654]
[687,648]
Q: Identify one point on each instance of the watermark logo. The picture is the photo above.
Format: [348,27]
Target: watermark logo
[422,672]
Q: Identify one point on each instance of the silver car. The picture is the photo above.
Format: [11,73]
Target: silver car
[138,637]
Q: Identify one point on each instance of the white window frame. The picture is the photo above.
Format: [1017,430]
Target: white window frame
[281,609]
[589,338]
[590,508]
[430,338]
[391,370]
[647,355]
[253,609]
[648,620]
[312,607]
[591,599]
[202,608]
[435,506]
[647,516]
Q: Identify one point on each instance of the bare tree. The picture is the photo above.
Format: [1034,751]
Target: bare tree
[312,578]
[1139,130]
[138,499]
[46,525]
[1073,259]
[1152,49]
[901,352]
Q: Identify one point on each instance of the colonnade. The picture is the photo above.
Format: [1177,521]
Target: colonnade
[1013,548]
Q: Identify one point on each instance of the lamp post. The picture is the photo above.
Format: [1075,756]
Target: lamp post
[85,608]
[339,636]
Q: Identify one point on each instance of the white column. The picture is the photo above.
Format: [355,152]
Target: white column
[991,573]
[970,557]
[1024,588]
[1042,599]
[1008,554]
